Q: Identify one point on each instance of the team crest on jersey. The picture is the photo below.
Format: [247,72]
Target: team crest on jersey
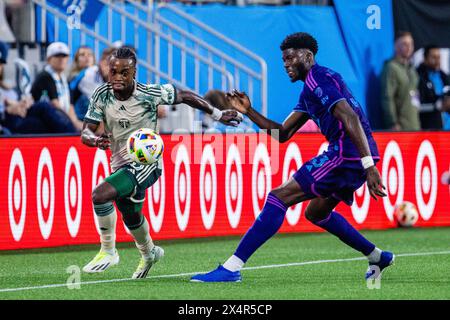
[124,123]
[318,91]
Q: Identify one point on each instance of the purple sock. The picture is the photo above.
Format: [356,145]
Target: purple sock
[337,225]
[265,226]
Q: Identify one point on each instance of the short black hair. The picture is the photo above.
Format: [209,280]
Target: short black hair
[427,50]
[300,40]
[125,53]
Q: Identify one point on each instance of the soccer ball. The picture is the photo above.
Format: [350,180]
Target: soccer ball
[145,146]
[406,214]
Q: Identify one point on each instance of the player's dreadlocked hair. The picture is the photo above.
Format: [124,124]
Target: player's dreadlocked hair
[125,53]
[300,40]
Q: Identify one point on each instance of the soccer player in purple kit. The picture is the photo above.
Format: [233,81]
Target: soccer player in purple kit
[327,179]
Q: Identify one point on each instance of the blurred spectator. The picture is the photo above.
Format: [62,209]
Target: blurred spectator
[51,83]
[83,59]
[24,116]
[218,99]
[82,86]
[445,178]
[3,53]
[399,80]
[6,33]
[432,86]
[446,113]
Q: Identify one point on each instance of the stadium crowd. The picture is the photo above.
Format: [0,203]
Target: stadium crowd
[415,98]
[411,98]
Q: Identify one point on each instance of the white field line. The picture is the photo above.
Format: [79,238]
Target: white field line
[294,264]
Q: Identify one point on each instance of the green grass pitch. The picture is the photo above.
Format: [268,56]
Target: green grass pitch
[314,272]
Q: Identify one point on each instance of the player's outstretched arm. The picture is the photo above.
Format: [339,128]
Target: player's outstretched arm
[227,117]
[281,132]
[89,138]
[343,112]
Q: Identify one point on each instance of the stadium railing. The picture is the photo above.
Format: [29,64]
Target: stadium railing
[166,51]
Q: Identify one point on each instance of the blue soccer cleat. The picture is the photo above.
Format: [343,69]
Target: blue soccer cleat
[374,271]
[218,275]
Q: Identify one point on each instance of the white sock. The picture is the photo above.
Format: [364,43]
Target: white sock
[143,240]
[375,255]
[233,264]
[107,226]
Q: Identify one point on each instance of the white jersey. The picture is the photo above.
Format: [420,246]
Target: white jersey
[121,118]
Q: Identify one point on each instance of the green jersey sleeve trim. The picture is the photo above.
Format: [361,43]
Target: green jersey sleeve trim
[89,120]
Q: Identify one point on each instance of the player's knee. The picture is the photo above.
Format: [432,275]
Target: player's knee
[288,197]
[281,194]
[314,215]
[99,197]
[310,215]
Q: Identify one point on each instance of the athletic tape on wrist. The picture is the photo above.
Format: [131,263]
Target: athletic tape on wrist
[216,114]
[367,162]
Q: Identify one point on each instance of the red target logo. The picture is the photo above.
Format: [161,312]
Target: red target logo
[156,201]
[361,203]
[426,180]
[73,191]
[393,176]
[208,187]
[100,170]
[17,194]
[182,187]
[261,178]
[233,186]
[45,193]
[292,162]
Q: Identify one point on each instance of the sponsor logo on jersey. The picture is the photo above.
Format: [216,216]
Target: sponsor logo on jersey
[124,123]
[318,92]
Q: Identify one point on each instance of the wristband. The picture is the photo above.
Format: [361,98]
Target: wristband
[367,162]
[216,114]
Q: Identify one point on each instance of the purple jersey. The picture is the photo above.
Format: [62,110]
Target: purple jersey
[323,89]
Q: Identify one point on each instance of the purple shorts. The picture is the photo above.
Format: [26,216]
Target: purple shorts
[331,175]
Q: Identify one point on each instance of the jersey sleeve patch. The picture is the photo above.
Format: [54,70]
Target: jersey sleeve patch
[168,94]
[163,94]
